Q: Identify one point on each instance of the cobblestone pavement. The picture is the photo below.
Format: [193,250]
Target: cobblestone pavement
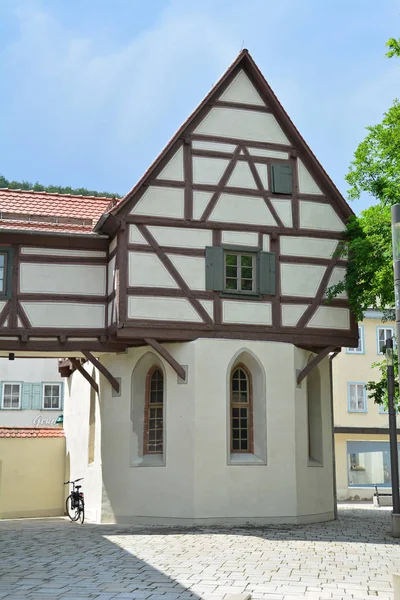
[50,559]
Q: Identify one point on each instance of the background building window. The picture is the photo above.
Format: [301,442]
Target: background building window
[154,409]
[11,395]
[383,334]
[360,348]
[52,395]
[357,399]
[368,464]
[241,411]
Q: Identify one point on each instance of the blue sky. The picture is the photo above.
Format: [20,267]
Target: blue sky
[91,90]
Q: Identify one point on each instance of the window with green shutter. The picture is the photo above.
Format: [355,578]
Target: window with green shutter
[6,260]
[241,271]
[281,179]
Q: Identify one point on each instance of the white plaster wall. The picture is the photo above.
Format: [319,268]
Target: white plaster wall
[240,238]
[244,492]
[331,318]
[301,280]
[135,237]
[242,125]
[304,246]
[208,170]
[29,370]
[192,269]
[182,237]
[65,314]
[197,482]
[111,275]
[241,311]
[155,308]
[314,483]
[174,168]
[232,208]
[63,252]
[62,279]
[284,209]
[160,202]
[147,270]
[200,201]
[76,427]
[291,313]
[213,146]
[242,90]
[268,153]
[315,215]
[242,176]
[139,492]
[307,184]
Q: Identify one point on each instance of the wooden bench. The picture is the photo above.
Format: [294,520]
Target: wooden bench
[379,494]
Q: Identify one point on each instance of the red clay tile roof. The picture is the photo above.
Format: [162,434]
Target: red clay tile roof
[23,209]
[31,432]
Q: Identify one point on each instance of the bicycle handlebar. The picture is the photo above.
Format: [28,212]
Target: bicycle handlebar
[67,482]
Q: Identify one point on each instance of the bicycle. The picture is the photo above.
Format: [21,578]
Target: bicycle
[75,503]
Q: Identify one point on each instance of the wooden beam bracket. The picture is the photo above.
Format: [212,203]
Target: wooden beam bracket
[103,370]
[314,362]
[167,356]
[77,364]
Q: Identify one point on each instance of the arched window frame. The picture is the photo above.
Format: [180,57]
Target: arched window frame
[248,405]
[147,407]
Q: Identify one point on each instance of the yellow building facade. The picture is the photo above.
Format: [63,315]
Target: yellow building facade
[361,426]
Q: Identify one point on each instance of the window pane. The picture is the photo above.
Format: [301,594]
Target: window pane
[247,285]
[231,284]
[2,257]
[231,259]
[231,272]
[247,261]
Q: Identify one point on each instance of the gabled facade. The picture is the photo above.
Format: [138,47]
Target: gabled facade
[203,292]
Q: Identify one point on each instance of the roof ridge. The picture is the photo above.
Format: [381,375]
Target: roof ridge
[57,194]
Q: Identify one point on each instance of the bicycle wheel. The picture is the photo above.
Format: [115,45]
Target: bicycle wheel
[73,513]
[81,511]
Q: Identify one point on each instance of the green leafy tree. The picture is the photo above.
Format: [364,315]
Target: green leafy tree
[375,170]
[55,189]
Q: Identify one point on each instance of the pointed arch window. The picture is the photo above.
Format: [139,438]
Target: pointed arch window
[241,410]
[154,412]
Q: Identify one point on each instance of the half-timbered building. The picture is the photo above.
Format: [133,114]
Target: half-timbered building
[193,320]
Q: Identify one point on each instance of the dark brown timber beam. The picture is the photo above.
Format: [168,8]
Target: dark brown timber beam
[76,363]
[315,361]
[168,357]
[103,370]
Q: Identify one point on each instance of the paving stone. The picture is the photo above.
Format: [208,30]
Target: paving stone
[49,559]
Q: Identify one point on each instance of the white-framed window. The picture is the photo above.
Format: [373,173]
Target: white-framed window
[52,396]
[382,335]
[240,271]
[360,348]
[357,397]
[11,395]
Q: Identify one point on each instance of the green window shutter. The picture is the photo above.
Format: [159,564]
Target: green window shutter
[282,179]
[1,395]
[37,389]
[26,401]
[214,268]
[267,273]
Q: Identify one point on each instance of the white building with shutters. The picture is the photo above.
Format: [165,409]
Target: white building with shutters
[31,392]
[193,321]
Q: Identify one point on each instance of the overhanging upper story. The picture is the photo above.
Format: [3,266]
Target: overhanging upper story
[232,233]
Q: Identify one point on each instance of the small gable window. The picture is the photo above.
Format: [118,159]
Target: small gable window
[281,179]
[154,409]
[6,255]
[242,271]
